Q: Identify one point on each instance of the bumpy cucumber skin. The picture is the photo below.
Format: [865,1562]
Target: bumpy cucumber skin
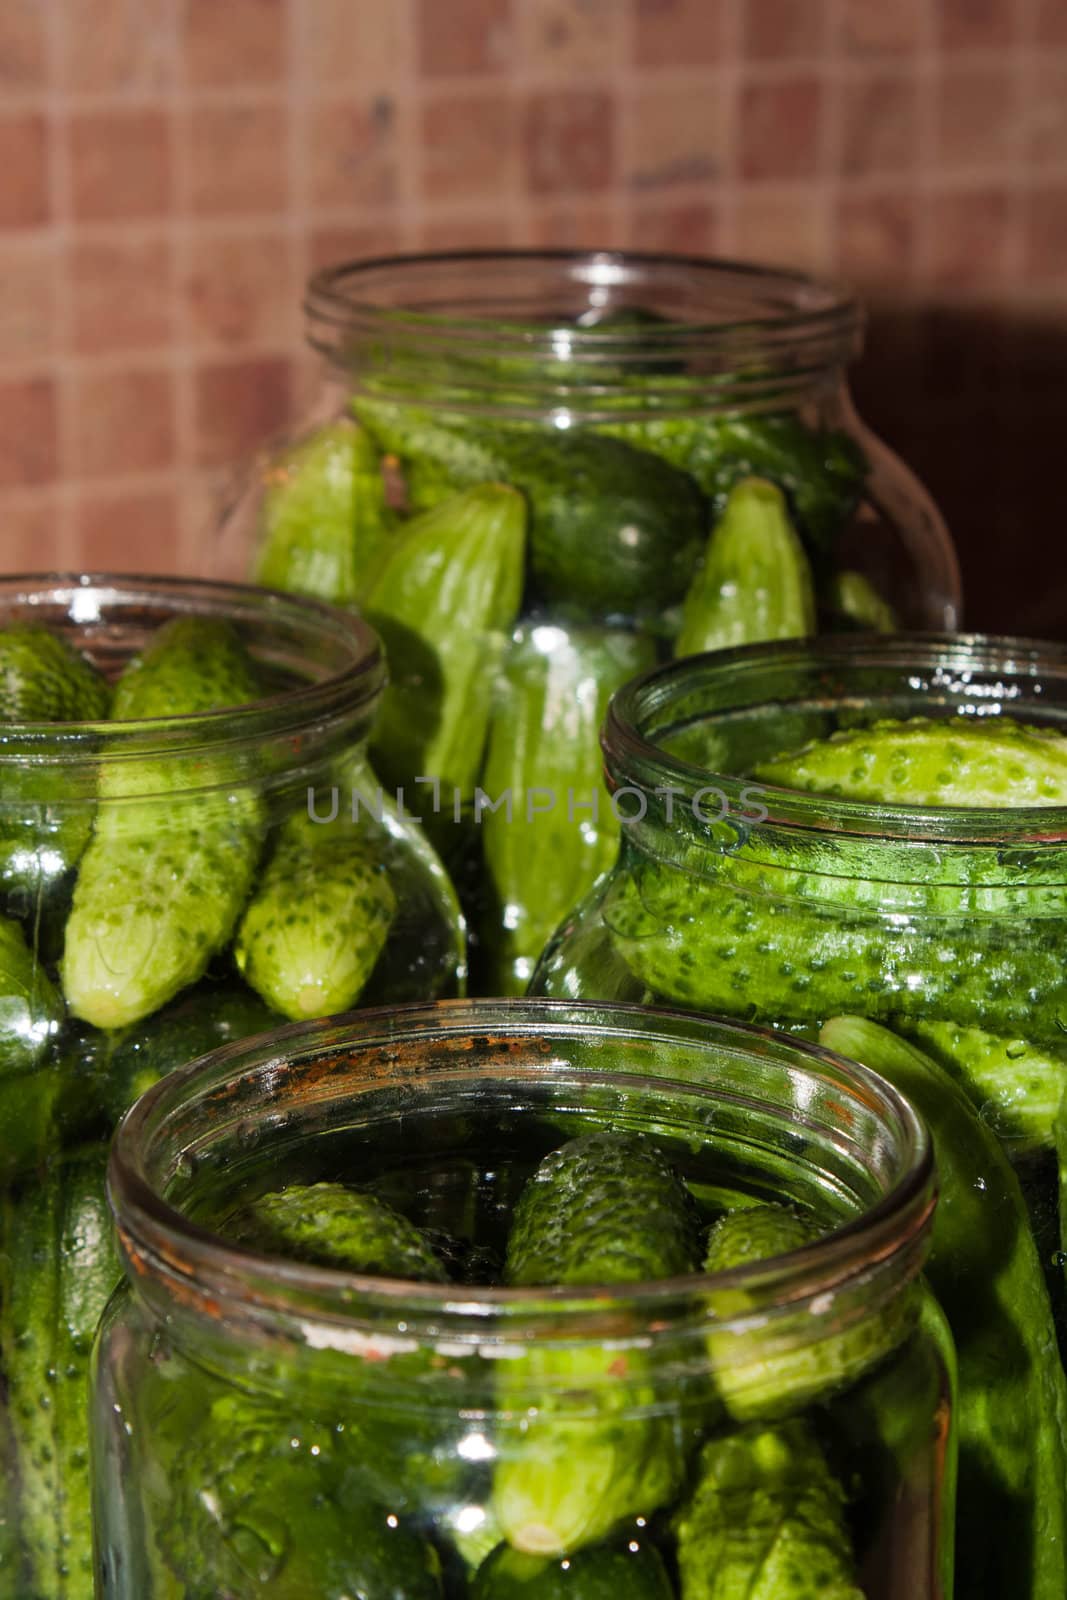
[317,921]
[755,582]
[773,945]
[462,560]
[547,713]
[602,1209]
[614,1571]
[324,516]
[757,1382]
[328,1225]
[163,879]
[613,531]
[31,1009]
[44,679]
[766,1522]
[931,762]
[59,1266]
[1014,1084]
[984,1269]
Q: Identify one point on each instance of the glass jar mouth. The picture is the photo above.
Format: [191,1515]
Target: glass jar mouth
[165,1136]
[506,329]
[337,653]
[973,674]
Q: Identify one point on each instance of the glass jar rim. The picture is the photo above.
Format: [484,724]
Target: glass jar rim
[156,1236]
[635,758]
[85,598]
[725,316]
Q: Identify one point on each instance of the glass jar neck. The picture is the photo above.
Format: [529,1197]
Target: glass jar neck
[866,1160]
[323,668]
[682,742]
[573,336]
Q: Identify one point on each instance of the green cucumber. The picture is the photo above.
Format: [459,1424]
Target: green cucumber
[32,1076]
[558,832]
[622,1570]
[613,531]
[44,679]
[443,600]
[172,856]
[931,762]
[758,1381]
[324,520]
[755,582]
[984,1269]
[329,1225]
[852,600]
[60,1266]
[318,919]
[766,1521]
[593,1440]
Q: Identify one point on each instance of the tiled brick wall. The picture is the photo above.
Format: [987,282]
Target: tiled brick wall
[170,169]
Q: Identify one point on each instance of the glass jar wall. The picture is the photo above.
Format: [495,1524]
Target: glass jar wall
[164,888]
[267,1422]
[635,403]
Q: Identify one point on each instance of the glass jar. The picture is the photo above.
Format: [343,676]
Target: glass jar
[626,396]
[782,907]
[261,1425]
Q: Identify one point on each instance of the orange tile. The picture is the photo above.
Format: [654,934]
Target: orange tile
[333,243]
[677,136]
[876,238]
[123,422]
[1046,113]
[468,147]
[115,45]
[568,37]
[879,125]
[24,198]
[28,432]
[872,29]
[28,301]
[969,238]
[132,530]
[782,230]
[120,164]
[780,127]
[689,229]
[120,292]
[233,41]
[464,36]
[238,159]
[678,33]
[569,141]
[1045,231]
[342,42]
[977,24]
[33,538]
[977,117]
[465,233]
[1050,22]
[238,406]
[777,30]
[241,289]
[574,227]
[22,51]
[352,152]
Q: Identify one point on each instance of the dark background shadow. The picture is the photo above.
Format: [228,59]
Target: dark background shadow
[975,400]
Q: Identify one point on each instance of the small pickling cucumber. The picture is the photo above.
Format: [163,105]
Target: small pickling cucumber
[31,1079]
[853,602]
[548,844]
[329,1225]
[324,518]
[755,582]
[318,919]
[614,531]
[984,1268]
[758,1379]
[925,761]
[766,1521]
[44,679]
[604,1208]
[169,866]
[443,601]
[621,1569]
